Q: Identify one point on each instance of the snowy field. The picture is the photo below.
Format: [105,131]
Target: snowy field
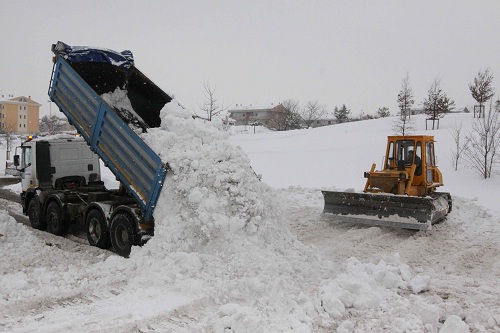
[233,254]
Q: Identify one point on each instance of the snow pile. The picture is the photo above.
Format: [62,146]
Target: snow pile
[212,193]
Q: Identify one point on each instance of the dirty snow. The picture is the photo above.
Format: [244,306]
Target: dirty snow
[235,254]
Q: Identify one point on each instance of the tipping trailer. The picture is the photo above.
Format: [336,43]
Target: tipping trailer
[61,181]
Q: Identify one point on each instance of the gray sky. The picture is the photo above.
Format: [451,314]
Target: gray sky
[261,52]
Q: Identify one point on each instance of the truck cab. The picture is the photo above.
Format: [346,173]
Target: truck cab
[60,162]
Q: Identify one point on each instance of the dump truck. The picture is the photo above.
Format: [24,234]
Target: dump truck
[60,176]
[403,194]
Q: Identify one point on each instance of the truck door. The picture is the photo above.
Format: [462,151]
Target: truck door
[28,174]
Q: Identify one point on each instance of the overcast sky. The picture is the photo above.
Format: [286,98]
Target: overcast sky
[260,52]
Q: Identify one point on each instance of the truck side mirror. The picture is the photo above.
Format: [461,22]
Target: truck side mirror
[16,160]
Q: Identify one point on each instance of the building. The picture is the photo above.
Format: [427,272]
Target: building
[266,115]
[326,120]
[19,115]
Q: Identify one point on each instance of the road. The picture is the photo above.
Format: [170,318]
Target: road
[12,197]
[11,202]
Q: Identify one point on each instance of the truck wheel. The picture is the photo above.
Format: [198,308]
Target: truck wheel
[36,219]
[122,234]
[55,222]
[97,230]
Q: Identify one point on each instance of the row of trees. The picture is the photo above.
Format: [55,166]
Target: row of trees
[437,103]
[480,147]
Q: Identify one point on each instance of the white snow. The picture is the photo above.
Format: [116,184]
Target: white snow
[235,254]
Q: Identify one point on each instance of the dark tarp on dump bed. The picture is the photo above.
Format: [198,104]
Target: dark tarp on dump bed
[105,70]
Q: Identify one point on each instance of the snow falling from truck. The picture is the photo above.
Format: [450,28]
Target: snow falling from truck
[119,100]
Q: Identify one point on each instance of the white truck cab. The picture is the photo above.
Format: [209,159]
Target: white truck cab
[57,162]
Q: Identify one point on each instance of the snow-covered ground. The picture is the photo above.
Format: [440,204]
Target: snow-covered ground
[235,254]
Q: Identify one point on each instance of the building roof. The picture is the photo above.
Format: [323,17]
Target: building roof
[21,100]
[246,108]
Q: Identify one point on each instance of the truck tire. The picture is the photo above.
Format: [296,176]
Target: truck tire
[35,216]
[122,233]
[55,223]
[97,229]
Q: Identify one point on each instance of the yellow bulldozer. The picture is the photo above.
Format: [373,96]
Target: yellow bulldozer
[402,194]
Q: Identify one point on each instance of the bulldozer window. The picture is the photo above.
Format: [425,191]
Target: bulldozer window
[430,161]
[404,147]
[391,158]
[418,159]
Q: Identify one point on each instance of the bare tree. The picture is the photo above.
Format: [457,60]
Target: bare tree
[481,89]
[285,116]
[437,103]
[278,117]
[210,105]
[312,112]
[405,97]
[482,152]
[8,131]
[461,143]
[403,126]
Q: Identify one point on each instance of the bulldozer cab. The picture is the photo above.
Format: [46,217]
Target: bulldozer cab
[401,154]
[412,159]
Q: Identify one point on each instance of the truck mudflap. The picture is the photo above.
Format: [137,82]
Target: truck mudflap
[396,211]
[106,70]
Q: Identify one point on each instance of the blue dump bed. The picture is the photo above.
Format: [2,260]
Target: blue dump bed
[79,78]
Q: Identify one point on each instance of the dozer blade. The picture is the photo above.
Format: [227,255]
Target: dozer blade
[389,210]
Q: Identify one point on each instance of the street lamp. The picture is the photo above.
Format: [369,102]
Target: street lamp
[50,108]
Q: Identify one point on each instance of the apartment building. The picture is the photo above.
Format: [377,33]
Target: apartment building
[19,115]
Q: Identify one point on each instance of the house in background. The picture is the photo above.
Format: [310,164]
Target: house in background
[19,115]
[265,115]
[326,120]
[271,116]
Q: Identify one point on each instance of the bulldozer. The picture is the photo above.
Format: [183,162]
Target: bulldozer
[402,194]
